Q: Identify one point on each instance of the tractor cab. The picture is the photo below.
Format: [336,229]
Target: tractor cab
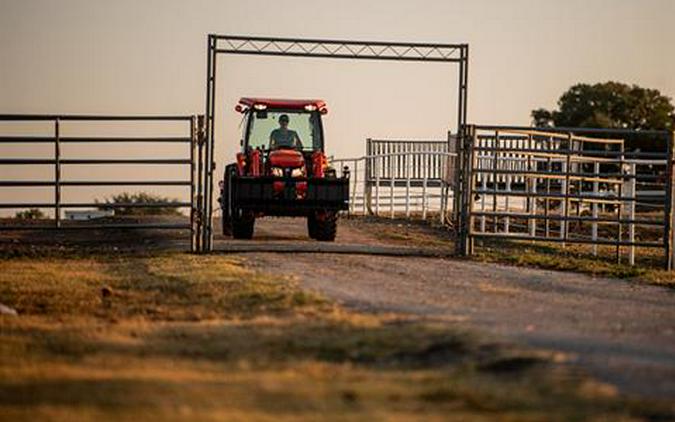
[284,135]
[283,123]
[282,169]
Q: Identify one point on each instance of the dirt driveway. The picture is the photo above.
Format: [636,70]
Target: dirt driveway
[621,332]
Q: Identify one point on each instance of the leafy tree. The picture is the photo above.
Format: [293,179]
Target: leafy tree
[141,198]
[613,105]
[609,105]
[30,214]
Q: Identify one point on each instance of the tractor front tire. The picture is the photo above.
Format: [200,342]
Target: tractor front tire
[225,205]
[243,226]
[227,225]
[322,227]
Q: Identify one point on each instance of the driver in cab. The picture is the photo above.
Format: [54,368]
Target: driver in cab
[283,137]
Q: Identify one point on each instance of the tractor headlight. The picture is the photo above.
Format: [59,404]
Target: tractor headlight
[299,172]
[277,172]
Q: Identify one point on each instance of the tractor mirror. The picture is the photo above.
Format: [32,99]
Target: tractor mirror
[261,114]
[238,108]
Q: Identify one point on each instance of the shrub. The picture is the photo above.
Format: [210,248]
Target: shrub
[30,214]
[141,198]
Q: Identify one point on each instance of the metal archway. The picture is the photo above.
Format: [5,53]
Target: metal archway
[313,48]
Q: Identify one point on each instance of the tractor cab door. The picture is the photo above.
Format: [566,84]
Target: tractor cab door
[317,132]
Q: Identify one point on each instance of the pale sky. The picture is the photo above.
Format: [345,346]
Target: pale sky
[149,57]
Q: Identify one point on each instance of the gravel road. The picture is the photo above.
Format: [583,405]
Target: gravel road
[623,333]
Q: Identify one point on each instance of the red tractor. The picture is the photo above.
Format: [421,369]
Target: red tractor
[282,170]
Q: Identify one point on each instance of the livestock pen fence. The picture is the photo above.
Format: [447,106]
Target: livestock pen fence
[402,178]
[27,135]
[608,189]
[568,186]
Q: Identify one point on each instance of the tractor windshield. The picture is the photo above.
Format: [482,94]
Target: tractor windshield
[272,129]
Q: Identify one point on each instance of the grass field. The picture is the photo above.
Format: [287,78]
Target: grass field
[171,336]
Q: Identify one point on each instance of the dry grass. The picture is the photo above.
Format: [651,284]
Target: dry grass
[166,287]
[577,258]
[428,234]
[184,337]
[550,256]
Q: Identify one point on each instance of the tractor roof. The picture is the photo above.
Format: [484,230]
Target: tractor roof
[282,103]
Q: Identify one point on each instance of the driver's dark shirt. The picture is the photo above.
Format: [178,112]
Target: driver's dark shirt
[285,138]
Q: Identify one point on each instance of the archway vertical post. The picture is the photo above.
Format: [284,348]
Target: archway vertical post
[209,166]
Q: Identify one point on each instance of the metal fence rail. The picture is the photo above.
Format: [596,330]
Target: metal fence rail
[192,162]
[426,160]
[401,177]
[567,186]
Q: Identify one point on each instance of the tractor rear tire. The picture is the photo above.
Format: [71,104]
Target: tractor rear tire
[322,229]
[243,227]
[311,226]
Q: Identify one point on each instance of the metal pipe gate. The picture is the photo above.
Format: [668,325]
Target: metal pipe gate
[566,186]
[192,162]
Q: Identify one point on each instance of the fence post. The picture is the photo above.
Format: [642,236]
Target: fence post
[465,140]
[424,197]
[391,186]
[507,219]
[483,182]
[620,204]
[57,172]
[407,186]
[531,184]
[495,182]
[367,180]
[632,187]
[549,162]
[352,205]
[457,188]
[442,157]
[469,189]
[201,180]
[441,211]
[366,198]
[458,202]
[193,229]
[669,211]
[594,205]
[566,190]
[377,185]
